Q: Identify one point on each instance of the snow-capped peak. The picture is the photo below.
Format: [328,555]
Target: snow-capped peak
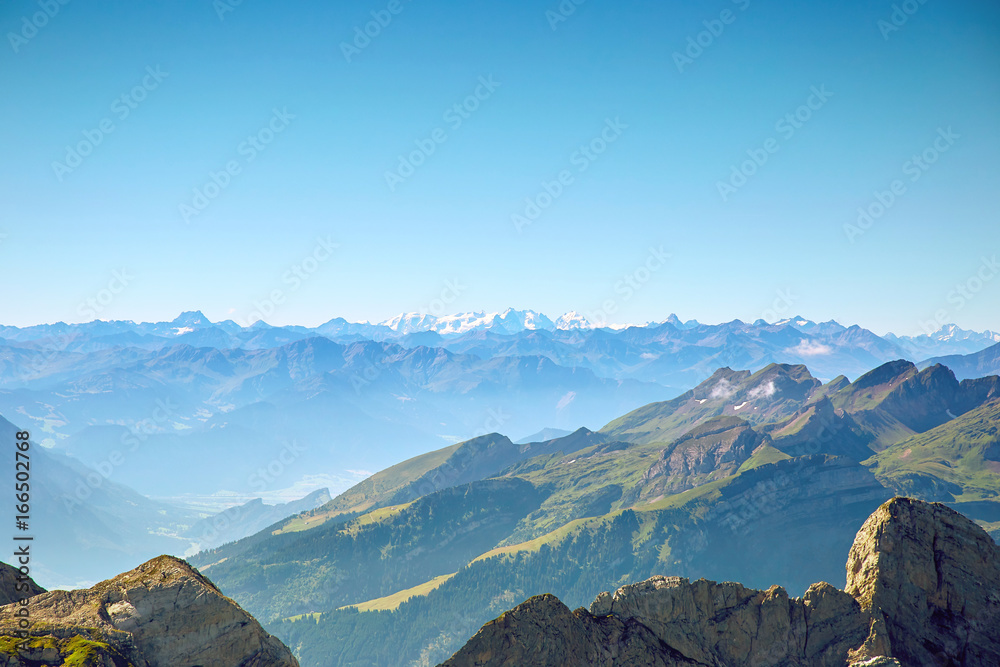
[509,321]
[573,320]
[514,321]
[798,322]
[407,323]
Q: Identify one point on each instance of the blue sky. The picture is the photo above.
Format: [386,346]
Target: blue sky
[328,128]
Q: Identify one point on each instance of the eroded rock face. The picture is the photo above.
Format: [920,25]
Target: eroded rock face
[930,579]
[713,450]
[673,622]
[174,615]
[923,589]
[728,624]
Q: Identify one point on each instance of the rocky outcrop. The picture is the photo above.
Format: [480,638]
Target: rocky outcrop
[713,450]
[15,586]
[161,614]
[930,580]
[923,589]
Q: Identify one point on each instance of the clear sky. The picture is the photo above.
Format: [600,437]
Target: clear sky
[311,128]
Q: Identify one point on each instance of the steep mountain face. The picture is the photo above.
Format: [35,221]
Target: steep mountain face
[929,579]
[714,450]
[932,396]
[161,613]
[722,530]
[15,586]
[923,589]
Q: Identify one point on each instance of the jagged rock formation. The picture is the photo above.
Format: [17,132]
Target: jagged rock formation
[14,586]
[713,450]
[930,580]
[161,614]
[923,589]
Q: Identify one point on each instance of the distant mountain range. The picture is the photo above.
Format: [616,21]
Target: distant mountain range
[358,397]
[763,477]
[670,353]
[185,419]
[948,339]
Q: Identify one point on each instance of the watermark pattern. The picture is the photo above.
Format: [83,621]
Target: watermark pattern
[293,278]
[260,481]
[963,292]
[696,44]
[249,149]
[131,441]
[581,158]
[915,168]
[93,306]
[448,473]
[363,35]
[786,127]
[562,12]
[450,293]
[629,285]
[223,7]
[37,367]
[30,25]
[122,107]
[782,304]
[454,116]
[899,17]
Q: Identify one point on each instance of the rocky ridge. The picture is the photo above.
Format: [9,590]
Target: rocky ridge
[161,614]
[923,588]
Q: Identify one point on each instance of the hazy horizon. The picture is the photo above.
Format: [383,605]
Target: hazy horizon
[789,316]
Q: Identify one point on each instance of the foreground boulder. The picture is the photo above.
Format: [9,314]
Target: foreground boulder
[161,614]
[923,589]
[929,579]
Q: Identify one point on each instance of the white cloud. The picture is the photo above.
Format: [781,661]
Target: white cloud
[566,400]
[810,348]
[762,390]
[724,389]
